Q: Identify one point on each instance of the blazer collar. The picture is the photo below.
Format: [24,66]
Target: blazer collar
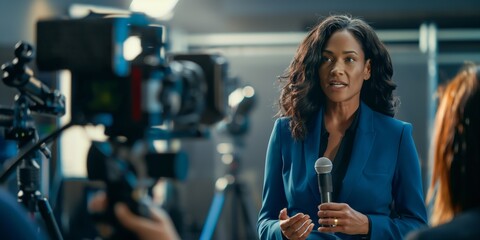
[363,143]
[361,150]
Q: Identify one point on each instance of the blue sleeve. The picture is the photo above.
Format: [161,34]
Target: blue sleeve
[15,222]
[274,199]
[407,193]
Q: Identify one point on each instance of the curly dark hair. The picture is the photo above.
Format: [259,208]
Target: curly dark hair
[301,95]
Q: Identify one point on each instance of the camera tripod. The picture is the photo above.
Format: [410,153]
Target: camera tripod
[229,184]
[236,125]
[34,96]
[28,170]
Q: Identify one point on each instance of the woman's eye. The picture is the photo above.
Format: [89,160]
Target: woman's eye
[349,60]
[326,59]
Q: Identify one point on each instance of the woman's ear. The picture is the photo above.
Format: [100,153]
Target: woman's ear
[367,70]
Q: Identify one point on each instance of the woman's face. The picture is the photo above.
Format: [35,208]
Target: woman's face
[343,68]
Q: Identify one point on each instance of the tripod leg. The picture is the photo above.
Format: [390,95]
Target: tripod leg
[246,215]
[213,215]
[47,215]
[234,214]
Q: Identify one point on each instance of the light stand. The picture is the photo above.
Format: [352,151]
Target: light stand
[236,126]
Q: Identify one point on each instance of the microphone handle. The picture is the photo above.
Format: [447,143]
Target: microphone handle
[325,187]
[326,197]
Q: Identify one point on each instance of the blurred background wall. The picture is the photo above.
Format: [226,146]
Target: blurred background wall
[428,41]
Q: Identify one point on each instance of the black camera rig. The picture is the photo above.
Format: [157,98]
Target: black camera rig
[188,90]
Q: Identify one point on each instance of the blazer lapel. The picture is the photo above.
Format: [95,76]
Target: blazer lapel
[311,146]
[362,147]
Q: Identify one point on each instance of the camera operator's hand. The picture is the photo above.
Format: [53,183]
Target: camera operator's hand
[159,227]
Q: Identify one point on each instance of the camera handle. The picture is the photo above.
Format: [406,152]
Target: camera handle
[109,162]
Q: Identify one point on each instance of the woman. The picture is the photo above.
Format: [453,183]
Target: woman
[455,183]
[337,102]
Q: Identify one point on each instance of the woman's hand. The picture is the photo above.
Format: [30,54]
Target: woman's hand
[340,217]
[296,227]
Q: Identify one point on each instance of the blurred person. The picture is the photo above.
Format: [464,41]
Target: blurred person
[158,227]
[337,102]
[455,182]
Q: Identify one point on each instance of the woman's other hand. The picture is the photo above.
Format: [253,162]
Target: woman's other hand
[296,227]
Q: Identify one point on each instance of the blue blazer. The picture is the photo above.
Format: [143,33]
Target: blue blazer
[383,179]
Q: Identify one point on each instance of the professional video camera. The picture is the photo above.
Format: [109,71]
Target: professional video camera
[186,90]
[152,95]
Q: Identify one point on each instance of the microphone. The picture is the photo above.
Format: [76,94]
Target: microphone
[323,167]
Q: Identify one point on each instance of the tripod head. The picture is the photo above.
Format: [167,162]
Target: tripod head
[241,101]
[17,74]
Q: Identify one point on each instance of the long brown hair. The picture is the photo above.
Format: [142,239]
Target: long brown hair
[453,153]
[301,95]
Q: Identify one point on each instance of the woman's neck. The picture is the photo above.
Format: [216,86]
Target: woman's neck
[339,116]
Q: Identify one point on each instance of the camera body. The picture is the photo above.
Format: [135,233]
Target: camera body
[131,94]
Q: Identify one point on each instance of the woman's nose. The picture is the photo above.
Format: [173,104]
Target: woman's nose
[337,68]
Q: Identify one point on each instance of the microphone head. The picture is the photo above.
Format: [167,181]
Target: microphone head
[323,165]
